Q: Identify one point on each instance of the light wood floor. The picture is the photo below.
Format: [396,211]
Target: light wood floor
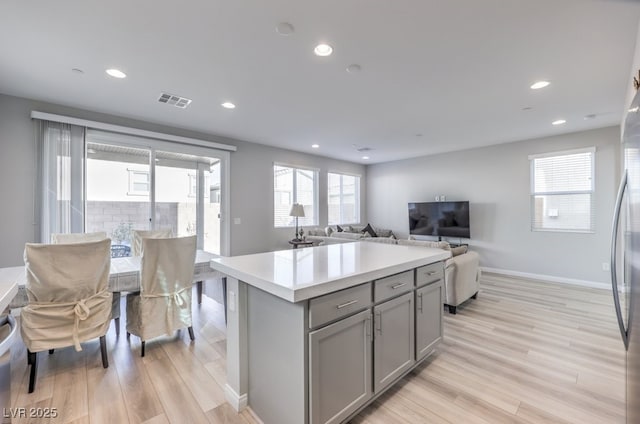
[523,352]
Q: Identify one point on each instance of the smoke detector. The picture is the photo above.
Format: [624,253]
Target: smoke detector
[173,100]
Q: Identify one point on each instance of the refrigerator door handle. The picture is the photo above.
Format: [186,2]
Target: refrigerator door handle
[614,253]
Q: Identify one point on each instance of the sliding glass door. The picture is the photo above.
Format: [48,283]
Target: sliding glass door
[132,186]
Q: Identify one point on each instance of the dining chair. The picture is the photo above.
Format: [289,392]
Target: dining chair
[63,238]
[66,238]
[139,235]
[69,301]
[163,304]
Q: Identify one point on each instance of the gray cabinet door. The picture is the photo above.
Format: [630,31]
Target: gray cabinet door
[393,346]
[428,318]
[340,368]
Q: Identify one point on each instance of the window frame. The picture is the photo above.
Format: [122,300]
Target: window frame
[356,194]
[591,191]
[295,168]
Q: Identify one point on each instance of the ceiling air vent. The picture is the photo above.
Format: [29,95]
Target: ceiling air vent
[364,149]
[177,101]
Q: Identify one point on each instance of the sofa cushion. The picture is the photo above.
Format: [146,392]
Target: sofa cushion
[345,235]
[369,229]
[381,232]
[339,229]
[424,243]
[328,230]
[316,232]
[455,251]
[383,240]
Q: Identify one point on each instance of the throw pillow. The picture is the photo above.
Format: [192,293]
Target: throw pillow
[458,250]
[339,228]
[369,229]
[328,231]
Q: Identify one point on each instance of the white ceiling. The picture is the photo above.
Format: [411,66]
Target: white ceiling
[457,72]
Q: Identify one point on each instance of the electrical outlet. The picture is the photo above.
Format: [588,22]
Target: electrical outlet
[437,198]
[443,198]
[605,266]
[237,221]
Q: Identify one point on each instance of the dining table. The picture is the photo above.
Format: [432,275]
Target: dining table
[124,276]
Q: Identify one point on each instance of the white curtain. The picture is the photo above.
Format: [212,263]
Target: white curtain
[61,178]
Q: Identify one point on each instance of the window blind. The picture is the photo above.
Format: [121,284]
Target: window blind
[562,191]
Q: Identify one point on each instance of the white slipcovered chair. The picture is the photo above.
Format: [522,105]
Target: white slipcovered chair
[139,235]
[163,304]
[69,301]
[66,238]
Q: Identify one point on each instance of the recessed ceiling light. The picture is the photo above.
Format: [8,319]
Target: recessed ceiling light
[285,28]
[228,105]
[315,146]
[116,73]
[323,50]
[559,122]
[365,157]
[539,84]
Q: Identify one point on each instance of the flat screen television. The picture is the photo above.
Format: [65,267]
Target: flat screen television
[442,219]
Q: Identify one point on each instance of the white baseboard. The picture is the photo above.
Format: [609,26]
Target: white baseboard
[238,402]
[563,280]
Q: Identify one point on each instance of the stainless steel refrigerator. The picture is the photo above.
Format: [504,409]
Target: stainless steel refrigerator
[625,258]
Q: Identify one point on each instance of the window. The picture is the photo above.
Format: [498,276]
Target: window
[193,186]
[139,183]
[343,198]
[294,185]
[562,191]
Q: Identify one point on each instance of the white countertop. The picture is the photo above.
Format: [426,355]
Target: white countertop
[300,274]
[9,278]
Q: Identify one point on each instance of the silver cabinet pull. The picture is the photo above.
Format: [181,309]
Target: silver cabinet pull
[398,286]
[379,322]
[349,303]
[420,307]
[431,273]
[367,323]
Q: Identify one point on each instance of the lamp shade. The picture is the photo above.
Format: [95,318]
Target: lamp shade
[297,210]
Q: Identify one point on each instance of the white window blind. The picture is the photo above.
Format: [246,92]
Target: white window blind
[562,191]
[294,185]
[343,198]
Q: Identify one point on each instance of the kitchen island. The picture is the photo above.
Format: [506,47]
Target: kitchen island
[315,334]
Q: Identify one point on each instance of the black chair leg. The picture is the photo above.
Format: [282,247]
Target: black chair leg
[199,291]
[103,351]
[32,358]
[142,355]
[128,335]
[116,322]
[191,333]
[452,309]
[51,351]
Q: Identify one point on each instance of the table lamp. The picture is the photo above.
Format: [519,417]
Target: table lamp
[297,210]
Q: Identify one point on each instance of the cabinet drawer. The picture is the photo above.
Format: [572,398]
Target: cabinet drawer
[429,273]
[388,287]
[332,306]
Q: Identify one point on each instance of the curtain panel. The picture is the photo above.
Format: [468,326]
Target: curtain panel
[60,191]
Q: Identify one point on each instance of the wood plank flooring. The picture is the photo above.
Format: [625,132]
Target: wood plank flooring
[523,352]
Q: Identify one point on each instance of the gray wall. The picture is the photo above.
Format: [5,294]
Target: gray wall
[251,179]
[496,181]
